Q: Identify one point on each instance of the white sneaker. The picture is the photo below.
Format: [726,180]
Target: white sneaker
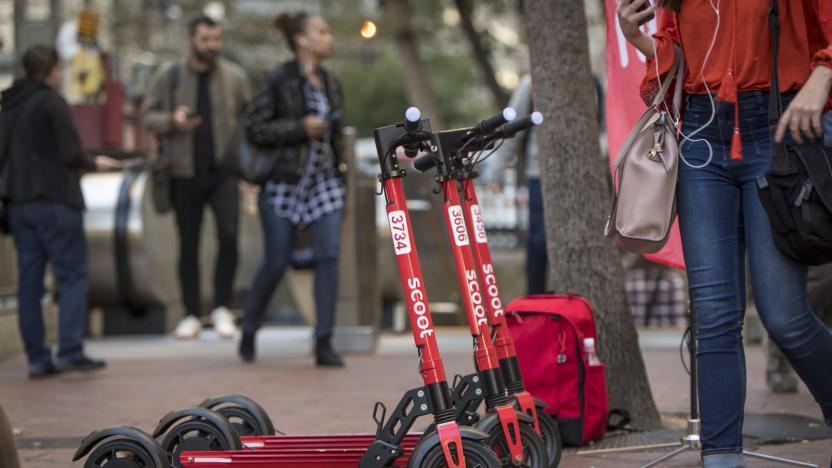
[224,322]
[188,328]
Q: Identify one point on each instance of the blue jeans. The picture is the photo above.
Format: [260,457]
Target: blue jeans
[536,257]
[50,232]
[279,239]
[720,218]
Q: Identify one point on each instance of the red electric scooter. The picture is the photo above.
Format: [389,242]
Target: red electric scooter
[512,434]
[205,438]
[459,156]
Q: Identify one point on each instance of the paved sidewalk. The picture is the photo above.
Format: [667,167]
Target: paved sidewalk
[148,377]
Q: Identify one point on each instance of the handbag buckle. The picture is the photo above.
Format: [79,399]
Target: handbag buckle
[654,153]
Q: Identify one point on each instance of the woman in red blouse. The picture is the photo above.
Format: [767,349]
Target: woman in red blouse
[726,147]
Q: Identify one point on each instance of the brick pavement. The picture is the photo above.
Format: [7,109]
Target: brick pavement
[148,377]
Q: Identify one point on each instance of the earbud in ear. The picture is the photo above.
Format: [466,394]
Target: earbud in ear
[303,42]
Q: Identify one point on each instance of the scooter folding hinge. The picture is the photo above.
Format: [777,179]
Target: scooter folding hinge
[511,431]
[451,442]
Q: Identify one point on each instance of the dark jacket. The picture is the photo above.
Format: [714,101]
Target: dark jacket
[45,157]
[274,119]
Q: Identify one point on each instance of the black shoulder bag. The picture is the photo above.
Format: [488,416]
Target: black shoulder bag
[796,192]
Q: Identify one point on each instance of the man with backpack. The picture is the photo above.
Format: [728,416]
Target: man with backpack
[193,107]
[41,201]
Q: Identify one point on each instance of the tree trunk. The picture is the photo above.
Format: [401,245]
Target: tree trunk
[481,53]
[398,14]
[576,197]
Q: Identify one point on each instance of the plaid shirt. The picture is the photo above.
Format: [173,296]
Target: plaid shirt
[657,296]
[320,189]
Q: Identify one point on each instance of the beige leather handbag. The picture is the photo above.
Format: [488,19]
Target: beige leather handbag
[644,174]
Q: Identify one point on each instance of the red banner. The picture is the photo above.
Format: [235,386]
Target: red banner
[625,70]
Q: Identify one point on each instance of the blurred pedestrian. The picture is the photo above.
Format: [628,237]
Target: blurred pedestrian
[728,56]
[193,106]
[40,182]
[297,112]
[524,146]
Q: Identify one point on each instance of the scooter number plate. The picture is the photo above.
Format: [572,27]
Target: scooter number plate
[479,225]
[399,232]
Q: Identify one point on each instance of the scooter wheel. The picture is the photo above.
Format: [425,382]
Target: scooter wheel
[197,434]
[247,417]
[534,450]
[550,433]
[476,455]
[121,453]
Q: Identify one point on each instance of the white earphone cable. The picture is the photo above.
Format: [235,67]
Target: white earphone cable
[690,136]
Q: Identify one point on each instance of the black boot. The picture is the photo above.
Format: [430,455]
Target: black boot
[247,353]
[325,356]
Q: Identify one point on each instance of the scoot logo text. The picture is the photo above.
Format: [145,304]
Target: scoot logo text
[491,288]
[476,297]
[417,301]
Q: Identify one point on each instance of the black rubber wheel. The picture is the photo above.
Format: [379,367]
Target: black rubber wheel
[534,450]
[243,421]
[120,453]
[245,414]
[194,435]
[550,433]
[476,454]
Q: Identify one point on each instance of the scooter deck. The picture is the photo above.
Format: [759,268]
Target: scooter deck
[323,458]
[320,441]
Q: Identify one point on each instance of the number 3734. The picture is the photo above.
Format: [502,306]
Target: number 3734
[399,232]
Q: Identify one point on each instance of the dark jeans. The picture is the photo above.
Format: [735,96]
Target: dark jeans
[279,239]
[189,197]
[50,232]
[720,217]
[536,257]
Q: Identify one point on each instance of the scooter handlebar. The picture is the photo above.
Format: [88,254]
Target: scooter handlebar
[493,123]
[512,128]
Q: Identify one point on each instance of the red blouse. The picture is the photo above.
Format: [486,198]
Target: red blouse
[741,55]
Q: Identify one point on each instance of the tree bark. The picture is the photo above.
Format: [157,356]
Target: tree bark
[481,53]
[417,84]
[576,197]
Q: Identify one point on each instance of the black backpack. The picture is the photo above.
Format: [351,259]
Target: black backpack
[796,192]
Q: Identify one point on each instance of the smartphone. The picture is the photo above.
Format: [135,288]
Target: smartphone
[642,8]
[333,117]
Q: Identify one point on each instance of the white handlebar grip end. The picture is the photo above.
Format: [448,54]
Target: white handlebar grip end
[412,114]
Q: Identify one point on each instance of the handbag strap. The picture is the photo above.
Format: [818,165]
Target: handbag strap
[775,101]
[677,71]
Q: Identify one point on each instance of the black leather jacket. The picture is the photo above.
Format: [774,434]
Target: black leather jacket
[274,119]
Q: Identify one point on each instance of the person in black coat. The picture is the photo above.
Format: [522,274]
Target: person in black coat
[297,115]
[40,169]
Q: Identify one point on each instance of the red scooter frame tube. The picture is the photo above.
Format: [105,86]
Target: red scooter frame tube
[485,354]
[410,272]
[496,316]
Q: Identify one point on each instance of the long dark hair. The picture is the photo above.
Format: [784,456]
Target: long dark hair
[674,5]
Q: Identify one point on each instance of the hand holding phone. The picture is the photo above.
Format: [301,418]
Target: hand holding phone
[185,119]
[632,14]
[645,7]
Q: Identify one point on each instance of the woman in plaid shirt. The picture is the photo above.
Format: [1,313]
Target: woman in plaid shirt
[297,113]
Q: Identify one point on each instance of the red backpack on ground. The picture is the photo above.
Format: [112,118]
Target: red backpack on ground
[548,332]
